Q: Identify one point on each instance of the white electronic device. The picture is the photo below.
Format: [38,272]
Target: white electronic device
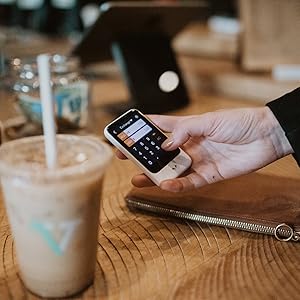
[140,141]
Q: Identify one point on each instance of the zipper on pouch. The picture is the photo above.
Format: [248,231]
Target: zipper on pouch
[282,232]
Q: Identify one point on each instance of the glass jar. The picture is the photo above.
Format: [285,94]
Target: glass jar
[70,91]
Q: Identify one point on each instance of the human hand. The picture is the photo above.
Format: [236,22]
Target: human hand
[222,145]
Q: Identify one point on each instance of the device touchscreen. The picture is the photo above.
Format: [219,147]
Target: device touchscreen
[142,139]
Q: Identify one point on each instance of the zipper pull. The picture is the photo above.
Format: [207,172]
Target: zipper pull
[285,233]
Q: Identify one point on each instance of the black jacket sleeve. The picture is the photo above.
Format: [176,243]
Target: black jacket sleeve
[287,111]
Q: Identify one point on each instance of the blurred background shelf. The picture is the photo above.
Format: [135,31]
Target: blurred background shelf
[197,40]
[211,64]
[226,78]
[270,33]
[237,65]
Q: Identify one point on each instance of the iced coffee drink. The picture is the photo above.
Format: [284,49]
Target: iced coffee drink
[54,213]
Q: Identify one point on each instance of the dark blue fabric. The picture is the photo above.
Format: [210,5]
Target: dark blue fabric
[287,111]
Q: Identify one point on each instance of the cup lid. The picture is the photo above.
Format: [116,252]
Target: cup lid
[78,157]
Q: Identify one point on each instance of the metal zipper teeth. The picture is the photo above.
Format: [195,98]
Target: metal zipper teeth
[251,227]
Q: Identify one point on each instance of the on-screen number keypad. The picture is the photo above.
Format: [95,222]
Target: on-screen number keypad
[147,149]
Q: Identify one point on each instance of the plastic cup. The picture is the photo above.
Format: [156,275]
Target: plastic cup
[54,214]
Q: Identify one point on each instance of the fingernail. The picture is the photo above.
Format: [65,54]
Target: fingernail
[167,143]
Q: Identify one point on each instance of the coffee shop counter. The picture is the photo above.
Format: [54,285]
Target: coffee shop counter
[141,256]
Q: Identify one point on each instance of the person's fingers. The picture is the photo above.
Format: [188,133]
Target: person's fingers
[180,184]
[202,125]
[141,180]
[165,123]
[183,184]
[120,155]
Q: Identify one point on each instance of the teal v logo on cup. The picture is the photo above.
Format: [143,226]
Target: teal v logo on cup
[46,230]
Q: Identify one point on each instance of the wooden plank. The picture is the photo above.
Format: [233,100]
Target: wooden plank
[224,77]
[196,39]
[270,33]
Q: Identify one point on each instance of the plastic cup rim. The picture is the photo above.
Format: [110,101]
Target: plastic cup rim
[92,166]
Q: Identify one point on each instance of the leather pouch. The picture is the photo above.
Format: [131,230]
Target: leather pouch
[255,202]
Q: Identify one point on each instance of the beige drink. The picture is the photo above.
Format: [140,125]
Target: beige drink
[54,213]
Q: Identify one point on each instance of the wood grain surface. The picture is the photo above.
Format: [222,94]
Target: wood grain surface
[143,256]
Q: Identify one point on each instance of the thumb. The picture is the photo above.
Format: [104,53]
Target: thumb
[191,127]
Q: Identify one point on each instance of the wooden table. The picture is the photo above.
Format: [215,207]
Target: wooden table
[146,257]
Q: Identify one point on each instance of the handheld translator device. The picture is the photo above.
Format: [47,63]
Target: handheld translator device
[140,141]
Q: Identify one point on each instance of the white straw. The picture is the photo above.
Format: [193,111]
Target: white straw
[47,110]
